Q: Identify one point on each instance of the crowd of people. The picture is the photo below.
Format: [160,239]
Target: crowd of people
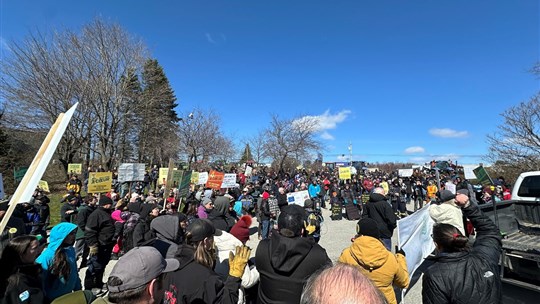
[172,249]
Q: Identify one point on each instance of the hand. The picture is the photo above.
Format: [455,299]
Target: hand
[93,251]
[400,251]
[238,261]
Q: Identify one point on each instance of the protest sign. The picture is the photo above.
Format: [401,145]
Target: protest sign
[131,172]
[414,237]
[405,172]
[215,179]
[43,185]
[469,173]
[2,193]
[99,182]
[297,198]
[451,187]
[482,176]
[177,178]
[74,168]
[194,177]
[19,173]
[183,189]
[249,170]
[229,180]
[203,178]
[163,172]
[344,173]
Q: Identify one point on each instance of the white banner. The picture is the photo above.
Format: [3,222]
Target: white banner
[469,174]
[451,187]
[2,193]
[405,172]
[131,172]
[297,198]
[203,178]
[414,237]
[229,180]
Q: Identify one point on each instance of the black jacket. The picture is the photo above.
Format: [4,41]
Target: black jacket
[467,277]
[380,211]
[82,218]
[29,287]
[282,200]
[70,218]
[284,265]
[220,215]
[195,283]
[99,228]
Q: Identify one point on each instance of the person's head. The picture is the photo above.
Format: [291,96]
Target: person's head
[200,235]
[368,227]
[291,221]
[341,283]
[105,202]
[207,203]
[448,238]
[281,190]
[378,190]
[138,276]
[72,199]
[21,250]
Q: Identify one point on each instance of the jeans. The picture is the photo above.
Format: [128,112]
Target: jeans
[387,243]
[265,229]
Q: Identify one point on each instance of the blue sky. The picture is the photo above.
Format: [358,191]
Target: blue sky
[400,80]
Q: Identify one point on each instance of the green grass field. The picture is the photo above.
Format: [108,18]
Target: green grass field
[55,205]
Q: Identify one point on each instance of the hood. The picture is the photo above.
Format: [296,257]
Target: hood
[134,207]
[376,197]
[369,252]
[221,205]
[117,216]
[146,209]
[166,227]
[287,253]
[244,222]
[58,234]
[185,255]
[226,242]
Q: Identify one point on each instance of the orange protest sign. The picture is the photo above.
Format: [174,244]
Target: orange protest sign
[215,179]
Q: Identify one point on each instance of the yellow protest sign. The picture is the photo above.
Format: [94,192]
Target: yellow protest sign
[99,182]
[177,177]
[163,172]
[194,177]
[43,185]
[74,168]
[344,173]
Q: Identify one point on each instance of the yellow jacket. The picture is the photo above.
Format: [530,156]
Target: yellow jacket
[378,264]
[432,191]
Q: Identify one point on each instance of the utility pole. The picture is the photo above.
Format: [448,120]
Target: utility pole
[350,153]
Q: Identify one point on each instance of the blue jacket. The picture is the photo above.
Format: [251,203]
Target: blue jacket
[59,287]
[314,190]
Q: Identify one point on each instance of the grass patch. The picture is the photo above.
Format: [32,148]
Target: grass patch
[55,205]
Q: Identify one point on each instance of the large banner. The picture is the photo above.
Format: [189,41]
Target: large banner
[215,179]
[344,173]
[74,169]
[131,172]
[229,180]
[297,198]
[99,182]
[414,237]
[203,178]
[2,193]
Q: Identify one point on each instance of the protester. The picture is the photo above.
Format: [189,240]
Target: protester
[68,212]
[137,278]
[369,254]
[20,276]
[142,234]
[205,208]
[169,231]
[379,210]
[444,210]
[59,262]
[461,273]
[264,215]
[81,248]
[195,281]
[241,229]
[340,283]
[286,259]
[220,216]
[99,234]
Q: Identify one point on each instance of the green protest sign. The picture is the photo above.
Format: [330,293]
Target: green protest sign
[19,173]
[482,176]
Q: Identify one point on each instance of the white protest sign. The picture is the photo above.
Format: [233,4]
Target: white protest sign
[297,198]
[451,187]
[203,178]
[469,174]
[229,180]
[2,193]
[405,172]
[131,172]
[249,170]
[414,237]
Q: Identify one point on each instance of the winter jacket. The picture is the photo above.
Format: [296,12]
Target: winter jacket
[284,265]
[195,283]
[28,289]
[201,212]
[55,287]
[99,228]
[314,190]
[168,235]
[378,264]
[471,276]
[82,218]
[282,200]
[241,229]
[142,234]
[264,210]
[220,216]
[379,210]
[70,218]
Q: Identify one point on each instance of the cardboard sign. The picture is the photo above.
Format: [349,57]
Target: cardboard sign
[405,172]
[215,179]
[483,176]
[469,173]
[297,198]
[249,171]
[177,178]
[194,177]
[203,178]
[99,182]
[2,193]
[183,188]
[450,187]
[74,168]
[131,172]
[18,174]
[43,185]
[229,180]
[344,173]
[163,172]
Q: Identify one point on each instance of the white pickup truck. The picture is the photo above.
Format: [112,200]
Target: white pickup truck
[519,222]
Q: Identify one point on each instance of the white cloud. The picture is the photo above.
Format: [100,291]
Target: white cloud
[4,45]
[209,38]
[325,121]
[327,136]
[446,133]
[415,149]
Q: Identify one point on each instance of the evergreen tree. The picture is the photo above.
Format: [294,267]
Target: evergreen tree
[246,156]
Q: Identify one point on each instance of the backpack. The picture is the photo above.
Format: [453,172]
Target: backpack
[127,233]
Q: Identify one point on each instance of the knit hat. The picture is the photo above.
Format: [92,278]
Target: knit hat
[445,195]
[105,200]
[265,195]
[368,227]
[240,230]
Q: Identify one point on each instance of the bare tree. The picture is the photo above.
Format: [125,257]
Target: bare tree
[290,138]
[256,144]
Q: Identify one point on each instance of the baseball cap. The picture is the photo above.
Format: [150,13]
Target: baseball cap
[139,266]
[201,229]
